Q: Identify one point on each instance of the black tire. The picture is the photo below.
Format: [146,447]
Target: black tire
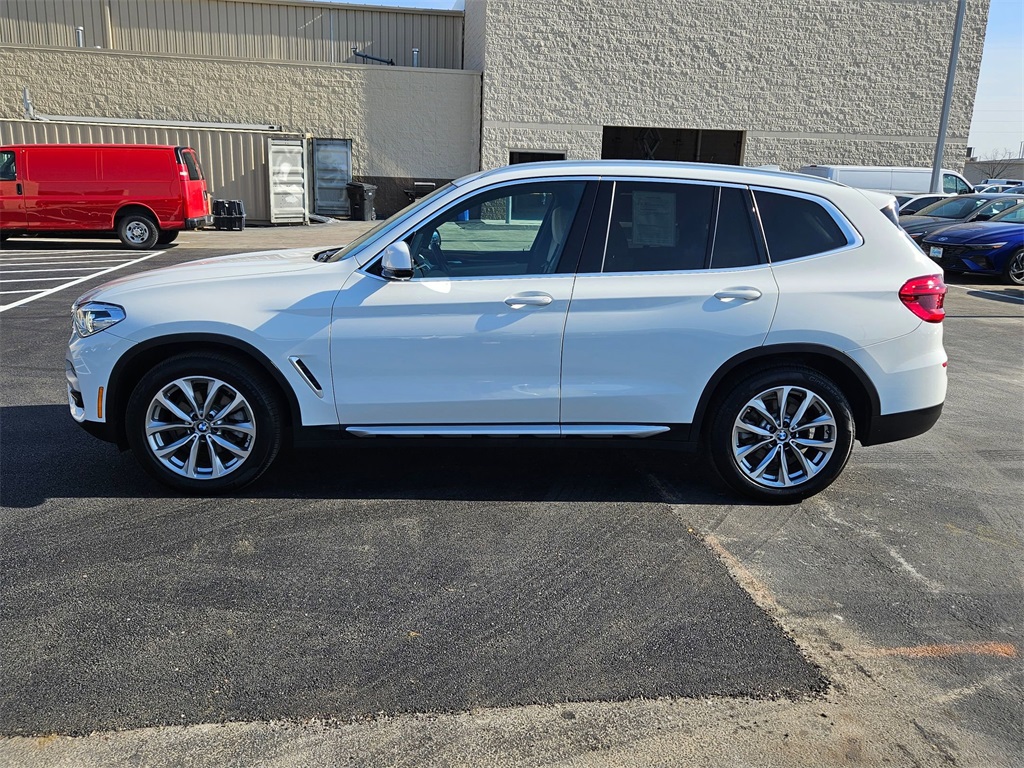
[138,231]
[167,236]
[252,428]
[1013,272]
[737,454]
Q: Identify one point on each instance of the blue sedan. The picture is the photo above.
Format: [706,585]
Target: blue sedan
[993,247]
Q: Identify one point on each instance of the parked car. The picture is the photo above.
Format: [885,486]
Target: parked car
[652,302]
[990,188]
[890,179]
[960,209]
[993,247]
[913,203]
[1014,190]
[144,194]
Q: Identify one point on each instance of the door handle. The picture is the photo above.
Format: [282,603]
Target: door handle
[743,294]
[18,188]
[529,300]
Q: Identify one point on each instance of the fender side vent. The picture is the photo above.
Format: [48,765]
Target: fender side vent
[307,375]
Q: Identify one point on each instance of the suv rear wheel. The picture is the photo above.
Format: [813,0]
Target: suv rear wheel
[204,423]
[781,434]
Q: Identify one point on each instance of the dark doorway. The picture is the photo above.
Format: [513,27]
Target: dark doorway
[514,158]
[681,144]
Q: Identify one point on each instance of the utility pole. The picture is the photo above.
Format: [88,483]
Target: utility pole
[947,100]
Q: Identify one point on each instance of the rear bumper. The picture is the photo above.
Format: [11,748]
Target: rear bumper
[899,426]
[198,222]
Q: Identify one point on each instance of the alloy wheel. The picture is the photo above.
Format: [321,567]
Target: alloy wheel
[783,437]
[200,427]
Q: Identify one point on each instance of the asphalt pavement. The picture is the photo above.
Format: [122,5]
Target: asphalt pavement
[402,606]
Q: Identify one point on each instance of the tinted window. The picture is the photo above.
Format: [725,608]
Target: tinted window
[195,173]
[956,208]
[796,226]
[916,205]
[7,166]
[1011,216]
[953,185]
[517,229]
[992,208]
[658,227]
[734,234]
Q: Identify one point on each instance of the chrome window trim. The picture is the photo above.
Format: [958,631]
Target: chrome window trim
[853,238]
[437,207]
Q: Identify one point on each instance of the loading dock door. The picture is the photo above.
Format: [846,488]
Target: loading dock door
[332,170]
[287,181]
[683,144]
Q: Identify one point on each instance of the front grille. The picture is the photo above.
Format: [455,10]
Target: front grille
[957,257]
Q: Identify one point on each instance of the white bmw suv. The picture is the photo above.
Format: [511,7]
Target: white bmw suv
[768,319]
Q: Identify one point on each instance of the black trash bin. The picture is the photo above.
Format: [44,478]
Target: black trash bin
[360,201]
[228,214]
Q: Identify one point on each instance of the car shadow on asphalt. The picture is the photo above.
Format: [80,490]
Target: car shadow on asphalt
[45,455]
[353,584]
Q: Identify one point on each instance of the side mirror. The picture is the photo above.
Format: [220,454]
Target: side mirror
[396,263]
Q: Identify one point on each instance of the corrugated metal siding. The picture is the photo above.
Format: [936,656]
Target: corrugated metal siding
[246,29]
[234,162]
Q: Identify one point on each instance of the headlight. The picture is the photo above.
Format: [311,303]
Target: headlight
[94,316]
[987,246]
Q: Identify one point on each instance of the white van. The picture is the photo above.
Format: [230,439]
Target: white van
[890,179]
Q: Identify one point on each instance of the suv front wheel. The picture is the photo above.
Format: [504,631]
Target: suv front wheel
[781,434]
[204,423]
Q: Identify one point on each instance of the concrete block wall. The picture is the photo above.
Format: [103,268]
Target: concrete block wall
[404,122]
[841,81]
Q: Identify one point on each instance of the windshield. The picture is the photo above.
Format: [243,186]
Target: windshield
[956,208]
[337,254]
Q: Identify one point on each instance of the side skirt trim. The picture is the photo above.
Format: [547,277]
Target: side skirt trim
[510,430]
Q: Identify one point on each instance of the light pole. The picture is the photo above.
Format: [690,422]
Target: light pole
[947,99]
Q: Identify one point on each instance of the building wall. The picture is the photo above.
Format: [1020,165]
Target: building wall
[288,30]
[977,171]
[404,123]
[837,81]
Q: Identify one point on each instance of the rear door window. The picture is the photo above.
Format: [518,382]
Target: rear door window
[735,244]
[195,173]
[795,227]
[658,227]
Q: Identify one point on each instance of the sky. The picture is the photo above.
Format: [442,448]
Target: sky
[998,123]
[997,126]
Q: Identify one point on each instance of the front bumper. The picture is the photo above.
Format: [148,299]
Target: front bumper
[87,369]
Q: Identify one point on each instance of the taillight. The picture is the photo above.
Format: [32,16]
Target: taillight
[924,296]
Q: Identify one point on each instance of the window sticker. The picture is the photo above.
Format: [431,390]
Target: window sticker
[654,219]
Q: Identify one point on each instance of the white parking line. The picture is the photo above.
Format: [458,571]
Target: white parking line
[47,271]
[6,265]
[75,281]
[987,293]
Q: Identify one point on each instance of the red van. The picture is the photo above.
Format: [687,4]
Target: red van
[144,194]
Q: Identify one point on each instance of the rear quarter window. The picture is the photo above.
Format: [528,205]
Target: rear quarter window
[795,227]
